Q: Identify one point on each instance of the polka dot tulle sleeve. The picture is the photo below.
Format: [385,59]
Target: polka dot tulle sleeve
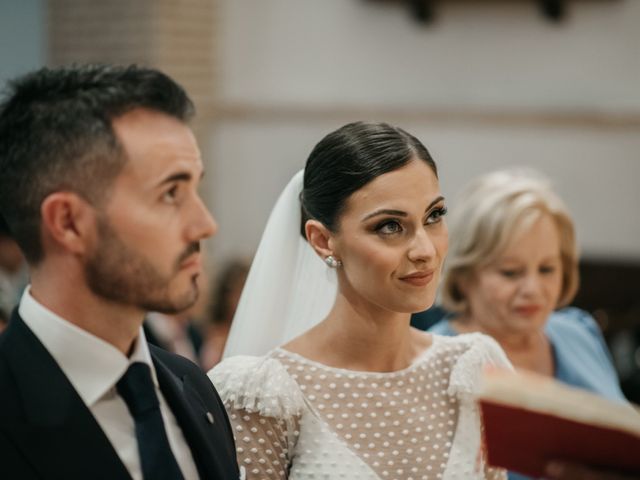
[262,444]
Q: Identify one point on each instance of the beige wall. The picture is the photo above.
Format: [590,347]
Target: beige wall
[491,84]
[176,36]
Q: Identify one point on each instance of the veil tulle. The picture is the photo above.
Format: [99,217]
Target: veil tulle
[289,288]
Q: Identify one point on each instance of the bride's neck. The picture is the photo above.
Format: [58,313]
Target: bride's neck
[362,337]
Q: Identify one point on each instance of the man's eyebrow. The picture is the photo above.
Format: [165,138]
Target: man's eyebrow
[177,177]
[180,177]
[400,213]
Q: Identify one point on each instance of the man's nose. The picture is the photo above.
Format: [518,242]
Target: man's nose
[203,225]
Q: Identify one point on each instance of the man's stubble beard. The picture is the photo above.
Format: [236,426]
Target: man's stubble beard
[117,273]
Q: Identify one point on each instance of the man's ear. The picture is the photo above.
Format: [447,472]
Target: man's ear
[320,238]
[68,222]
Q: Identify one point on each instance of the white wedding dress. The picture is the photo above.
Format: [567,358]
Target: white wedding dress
[298,419]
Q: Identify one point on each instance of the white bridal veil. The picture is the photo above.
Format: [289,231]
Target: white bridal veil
[289,288]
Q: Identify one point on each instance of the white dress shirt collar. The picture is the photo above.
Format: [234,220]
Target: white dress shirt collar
[92,365]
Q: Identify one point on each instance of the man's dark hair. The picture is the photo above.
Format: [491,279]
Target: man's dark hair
[349,158]
[56,134]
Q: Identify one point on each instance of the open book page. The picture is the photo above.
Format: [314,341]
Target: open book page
[530,420]
[546,395]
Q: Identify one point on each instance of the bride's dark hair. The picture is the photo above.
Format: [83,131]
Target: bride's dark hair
[346,160]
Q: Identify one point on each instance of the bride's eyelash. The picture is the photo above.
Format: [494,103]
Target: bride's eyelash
[390,226]
[436,215]
[385,224]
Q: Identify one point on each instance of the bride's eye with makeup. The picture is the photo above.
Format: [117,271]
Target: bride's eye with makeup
[436,215]
[388,227]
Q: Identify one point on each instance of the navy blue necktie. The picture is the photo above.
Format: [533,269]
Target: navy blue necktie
[156,458]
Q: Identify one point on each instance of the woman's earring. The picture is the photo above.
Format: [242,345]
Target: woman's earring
[332,262]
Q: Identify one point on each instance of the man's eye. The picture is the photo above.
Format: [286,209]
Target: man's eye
[170,195]
[389,228]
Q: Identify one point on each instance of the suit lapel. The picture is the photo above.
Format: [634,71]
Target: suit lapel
[58,434]
[192,416]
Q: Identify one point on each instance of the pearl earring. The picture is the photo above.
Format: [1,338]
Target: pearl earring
[332,262]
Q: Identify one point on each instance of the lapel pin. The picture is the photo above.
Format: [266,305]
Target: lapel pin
[210,418]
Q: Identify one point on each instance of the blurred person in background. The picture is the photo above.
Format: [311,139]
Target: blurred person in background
[512,262]
[224,301]
[4,319]
[13,270]
[625,348]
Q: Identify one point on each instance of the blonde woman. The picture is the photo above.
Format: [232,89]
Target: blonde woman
[512,262]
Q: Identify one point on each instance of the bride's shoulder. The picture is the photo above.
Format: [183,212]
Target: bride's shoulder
[469,344]
[457,346]
[257,384]
[468,354]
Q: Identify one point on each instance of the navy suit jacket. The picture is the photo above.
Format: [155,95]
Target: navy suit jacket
[47,432]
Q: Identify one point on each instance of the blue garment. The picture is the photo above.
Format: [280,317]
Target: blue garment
[580,353]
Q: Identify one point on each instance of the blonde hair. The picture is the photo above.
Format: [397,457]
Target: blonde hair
[490,212]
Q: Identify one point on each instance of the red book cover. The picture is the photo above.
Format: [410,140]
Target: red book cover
[530,421]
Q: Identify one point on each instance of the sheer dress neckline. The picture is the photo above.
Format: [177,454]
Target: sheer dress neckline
[425,355]
[296,418]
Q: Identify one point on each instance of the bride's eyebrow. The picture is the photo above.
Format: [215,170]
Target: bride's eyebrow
[399,213]
[436,200]
[385,211]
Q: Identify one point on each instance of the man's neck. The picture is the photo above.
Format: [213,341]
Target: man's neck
[114,323]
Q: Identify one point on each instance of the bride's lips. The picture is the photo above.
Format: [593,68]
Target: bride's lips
[418,279]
